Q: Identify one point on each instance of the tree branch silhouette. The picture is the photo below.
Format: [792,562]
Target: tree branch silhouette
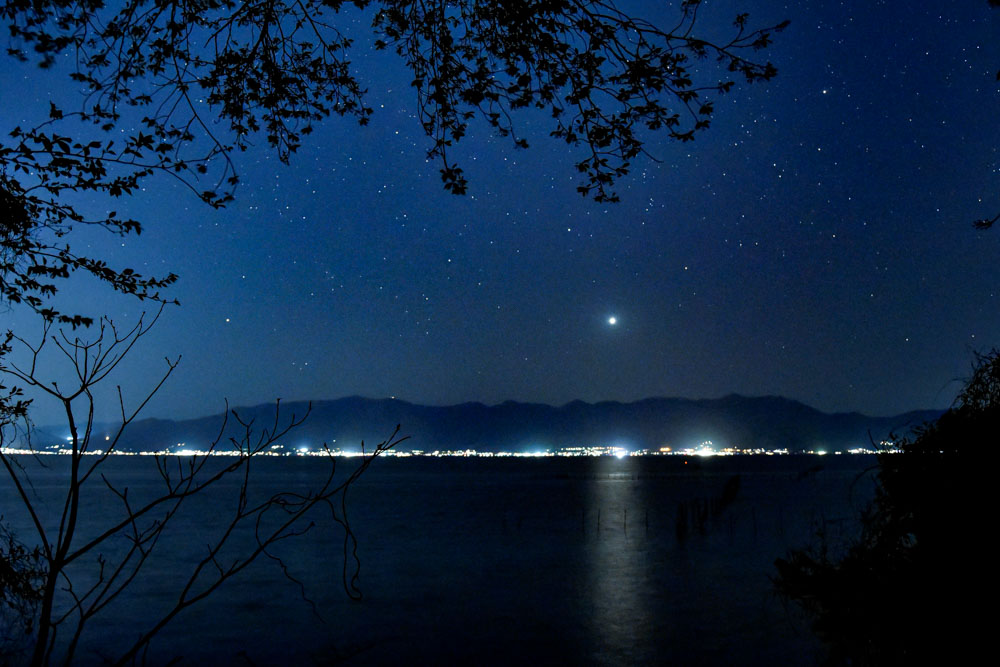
[121,547]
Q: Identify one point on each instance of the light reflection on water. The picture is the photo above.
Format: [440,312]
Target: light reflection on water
[617,566]
[497,561]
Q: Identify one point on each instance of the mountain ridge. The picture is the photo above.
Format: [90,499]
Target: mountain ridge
[734,420]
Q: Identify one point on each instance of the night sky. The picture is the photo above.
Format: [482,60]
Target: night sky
[815,243]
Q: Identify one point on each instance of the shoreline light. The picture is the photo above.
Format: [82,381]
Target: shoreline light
[582,451]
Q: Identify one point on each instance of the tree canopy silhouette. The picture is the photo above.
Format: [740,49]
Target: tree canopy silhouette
[278,66]
[914,585]
[179,87]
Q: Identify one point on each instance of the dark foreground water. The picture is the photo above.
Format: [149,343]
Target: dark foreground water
[505,561]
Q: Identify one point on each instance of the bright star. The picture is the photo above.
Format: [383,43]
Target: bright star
[612,320]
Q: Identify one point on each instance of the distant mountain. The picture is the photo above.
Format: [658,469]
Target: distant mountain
[769,422]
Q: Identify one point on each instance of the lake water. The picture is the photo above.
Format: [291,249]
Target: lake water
[661,560]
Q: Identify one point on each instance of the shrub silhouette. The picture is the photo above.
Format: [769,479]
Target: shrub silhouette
[915,585]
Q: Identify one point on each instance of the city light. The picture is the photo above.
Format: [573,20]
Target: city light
[705,448]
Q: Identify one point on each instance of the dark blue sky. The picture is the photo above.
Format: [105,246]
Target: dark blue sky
[816,242]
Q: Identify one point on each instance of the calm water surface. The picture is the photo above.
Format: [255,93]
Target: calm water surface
[505,561]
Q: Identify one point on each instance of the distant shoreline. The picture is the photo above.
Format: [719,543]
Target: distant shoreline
[457,454]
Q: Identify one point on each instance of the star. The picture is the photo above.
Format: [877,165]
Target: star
[612,320]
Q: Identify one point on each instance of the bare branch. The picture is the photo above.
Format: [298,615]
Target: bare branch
[141,522]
